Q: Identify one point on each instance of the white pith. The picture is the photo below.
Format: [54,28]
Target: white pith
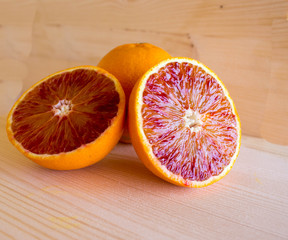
[62,108]
[192,120]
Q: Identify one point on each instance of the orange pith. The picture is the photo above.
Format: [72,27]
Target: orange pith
[64,114]
[184,125]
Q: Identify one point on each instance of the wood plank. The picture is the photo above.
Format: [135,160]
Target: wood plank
[276,111]
[244,42]
[118,198]
[238,40]
[219,17]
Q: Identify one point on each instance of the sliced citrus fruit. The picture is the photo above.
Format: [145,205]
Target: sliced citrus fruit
[128,62]
[183,123]
[70,119]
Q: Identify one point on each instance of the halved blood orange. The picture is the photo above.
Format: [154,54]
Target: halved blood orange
[70,119]
[183,123]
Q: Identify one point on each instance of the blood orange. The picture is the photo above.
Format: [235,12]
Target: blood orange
[70,119]
[183,123]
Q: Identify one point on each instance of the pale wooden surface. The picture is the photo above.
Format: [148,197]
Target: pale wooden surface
[245,42]
[118,198]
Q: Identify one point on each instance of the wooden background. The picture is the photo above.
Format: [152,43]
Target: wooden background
[245,42]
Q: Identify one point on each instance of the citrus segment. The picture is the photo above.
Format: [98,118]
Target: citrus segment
[184,125]
[65,112]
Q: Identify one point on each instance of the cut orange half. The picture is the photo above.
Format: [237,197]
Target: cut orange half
[70,119]
[183,123]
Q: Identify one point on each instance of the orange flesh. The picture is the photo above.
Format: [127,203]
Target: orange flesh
[66,111]
[189,121]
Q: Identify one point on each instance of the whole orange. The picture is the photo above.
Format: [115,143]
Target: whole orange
[128,63]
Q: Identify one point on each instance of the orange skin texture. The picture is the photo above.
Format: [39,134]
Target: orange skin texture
[85,155]
[128,63]
[141,144]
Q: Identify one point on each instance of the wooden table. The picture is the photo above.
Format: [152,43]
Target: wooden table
[118,198]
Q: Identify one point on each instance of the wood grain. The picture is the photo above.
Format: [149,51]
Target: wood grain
[244,42]
[276,105]
[118,198]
